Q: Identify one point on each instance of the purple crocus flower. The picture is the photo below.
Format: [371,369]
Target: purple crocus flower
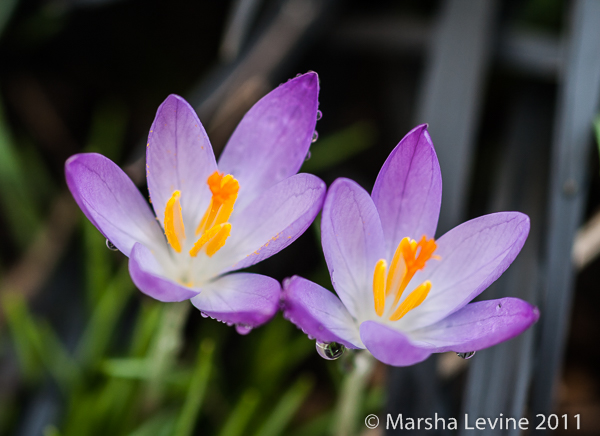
[402,294]
[210,219]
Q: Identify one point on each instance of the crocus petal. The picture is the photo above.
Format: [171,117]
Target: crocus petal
[147,274]
[272,222]
[273,138]
[110,200]
[473,255]
[179,157]
[478,325]
[352,243]
[391,346]
[408,190]
[319,313]
[242,298]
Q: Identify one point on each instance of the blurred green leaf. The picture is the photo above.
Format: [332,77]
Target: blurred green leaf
[108,129]
[318,426]
[286,408]
[24,334]
[196,390]
[6,9]
[36,343]
[160,425]
[127,368]
[21,213]
[338,147]
[104,318]
[145,327]
[241,414]
[97,262]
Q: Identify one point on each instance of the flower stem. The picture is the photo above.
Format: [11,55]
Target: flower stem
[165,348]
[351,395]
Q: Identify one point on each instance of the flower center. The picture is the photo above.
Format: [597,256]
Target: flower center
[213,228]
[410,257]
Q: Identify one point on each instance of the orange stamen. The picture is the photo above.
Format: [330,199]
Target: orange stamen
[414,299]
[410,256]
[214,228]
[174,229]
[379,286]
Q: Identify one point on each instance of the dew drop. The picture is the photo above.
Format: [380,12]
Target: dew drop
[204,315]
[319,115]
[466,355]
[243,329]
[308,155]
[315,136]
[111,246]
[330,350]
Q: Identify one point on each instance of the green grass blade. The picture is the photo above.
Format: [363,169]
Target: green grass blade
[104,318]
[241,414]
[287,407]
[197,389]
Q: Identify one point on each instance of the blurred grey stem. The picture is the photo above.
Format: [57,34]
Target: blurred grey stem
[351,395]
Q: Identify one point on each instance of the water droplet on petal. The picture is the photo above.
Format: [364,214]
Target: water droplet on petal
[243,329]
[319,115]
[466,355]
[229,324]
[330,350]
[204,315]
[111,246]
[308,155]
[315,136]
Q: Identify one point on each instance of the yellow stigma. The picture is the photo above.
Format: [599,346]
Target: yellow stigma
[174,229]
[410,257]
[214,228]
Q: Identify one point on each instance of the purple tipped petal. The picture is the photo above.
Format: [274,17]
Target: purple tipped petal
[111,202]
[179,157]
[408,190]
[390,346]
[148,276]
[242,298]
[273,138]
[473,255]
[478,325]
[319,313]
[273,221]
[352,243]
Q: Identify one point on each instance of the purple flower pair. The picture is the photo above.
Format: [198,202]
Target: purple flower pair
[402,294]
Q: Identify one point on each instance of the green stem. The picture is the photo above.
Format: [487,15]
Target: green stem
[351,395]
[165,348]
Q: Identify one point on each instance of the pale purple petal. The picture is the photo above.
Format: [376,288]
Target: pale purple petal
[272,222]
[352,243]
[473,255]
[478,325]
[272,140]
[242,298]
[110,200]
[408,190]
[148,275]
[319,313]
[179,157]
[391,346]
